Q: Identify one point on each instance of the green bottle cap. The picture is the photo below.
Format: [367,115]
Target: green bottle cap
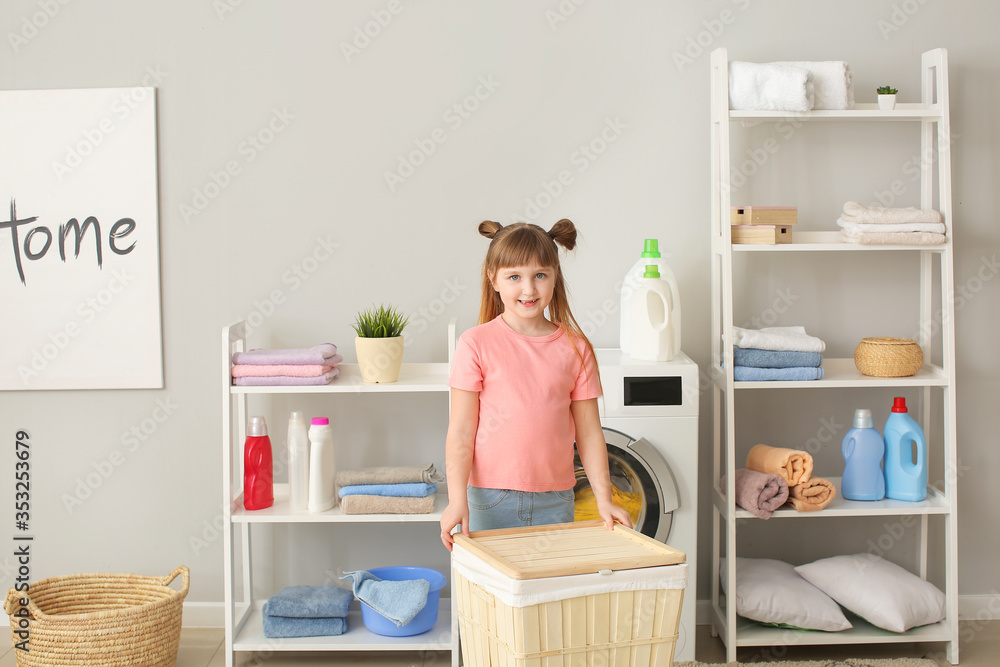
[652,271]
[651,248]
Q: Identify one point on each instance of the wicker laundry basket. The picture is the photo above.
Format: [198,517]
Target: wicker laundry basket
[565,595]
[98,620]
[888,357]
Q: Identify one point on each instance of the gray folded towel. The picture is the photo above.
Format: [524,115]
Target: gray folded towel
[759,493]
[425,473]
[364,504]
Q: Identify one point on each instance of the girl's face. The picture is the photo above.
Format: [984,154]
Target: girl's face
[525,292]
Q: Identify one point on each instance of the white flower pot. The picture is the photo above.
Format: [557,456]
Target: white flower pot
[379,359]
[886,102]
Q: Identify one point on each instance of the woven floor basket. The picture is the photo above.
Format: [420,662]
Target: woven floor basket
[106,620]
[888,357]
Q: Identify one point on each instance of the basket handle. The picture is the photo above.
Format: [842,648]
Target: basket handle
[12,601]
[185,578]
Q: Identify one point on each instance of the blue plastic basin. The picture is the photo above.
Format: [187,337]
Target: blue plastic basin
[425,618]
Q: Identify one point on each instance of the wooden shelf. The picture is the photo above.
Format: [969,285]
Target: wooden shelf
[866,111]
[412,378]
[279,512]
[843,373]
[828,241]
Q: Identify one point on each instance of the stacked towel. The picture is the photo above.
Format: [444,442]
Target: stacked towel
[286,367]
[877,225]
[791,86]
[757,492]
[307,611]
[805,492]
[388,489]
[776,353]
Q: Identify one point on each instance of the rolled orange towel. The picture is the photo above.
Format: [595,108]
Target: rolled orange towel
[792,465]
[811,496]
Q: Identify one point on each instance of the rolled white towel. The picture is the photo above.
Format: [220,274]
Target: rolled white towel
[769,87]
[880,215]
[794,339]
[833,83]
[854,227]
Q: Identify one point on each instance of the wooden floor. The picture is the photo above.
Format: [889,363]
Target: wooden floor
[202,647]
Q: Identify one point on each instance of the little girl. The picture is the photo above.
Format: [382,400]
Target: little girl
[524,387]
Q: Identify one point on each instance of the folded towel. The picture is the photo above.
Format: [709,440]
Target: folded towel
[424,472]
[286,380]
[759,493]
[769,86]
[881,227]
[893,238]
[752,356]
[367,504]
[399,601]
[318,354]
[284,626]
[833,82]
[880,215]
[414,490]
[289,370]
[310,602]
[794,339]
[811,495]
[792,465]
[794,374]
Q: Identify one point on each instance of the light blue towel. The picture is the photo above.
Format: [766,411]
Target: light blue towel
[751,374]
[399,601]
[283,626]
[310,602]
[412,490]
[758,358]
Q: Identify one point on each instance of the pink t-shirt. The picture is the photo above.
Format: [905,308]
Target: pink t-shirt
[526,385]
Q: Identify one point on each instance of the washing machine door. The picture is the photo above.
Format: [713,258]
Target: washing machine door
[642,484]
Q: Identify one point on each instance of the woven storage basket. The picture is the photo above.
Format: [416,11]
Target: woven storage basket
[888,357]
[99,620]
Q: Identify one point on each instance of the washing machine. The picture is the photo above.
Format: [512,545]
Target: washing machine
[649,413]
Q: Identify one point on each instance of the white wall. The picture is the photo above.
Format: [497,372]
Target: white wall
[611,70]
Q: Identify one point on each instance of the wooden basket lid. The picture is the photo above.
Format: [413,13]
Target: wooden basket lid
[583,547]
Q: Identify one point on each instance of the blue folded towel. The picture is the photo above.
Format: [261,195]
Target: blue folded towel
[411,490]
[399,601]
[284,626]
[751,374]
[758,358]
[310,602]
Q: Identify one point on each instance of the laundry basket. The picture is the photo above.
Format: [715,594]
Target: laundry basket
[567,594]
[98,620]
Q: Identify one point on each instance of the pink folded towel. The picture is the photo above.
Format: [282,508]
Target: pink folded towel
[291,370]
[759,493]
[286,380]
[319,354]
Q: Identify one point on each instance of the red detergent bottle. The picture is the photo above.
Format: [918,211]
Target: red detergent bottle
[258,468]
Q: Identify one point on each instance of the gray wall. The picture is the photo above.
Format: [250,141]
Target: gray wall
[630,79]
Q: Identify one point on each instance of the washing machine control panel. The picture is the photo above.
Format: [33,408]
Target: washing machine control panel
[634,388]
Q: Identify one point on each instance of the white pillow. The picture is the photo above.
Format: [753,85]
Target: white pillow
[878,591]
[769,591]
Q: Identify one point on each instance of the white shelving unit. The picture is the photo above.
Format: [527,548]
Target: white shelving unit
[243,620]
[936,381]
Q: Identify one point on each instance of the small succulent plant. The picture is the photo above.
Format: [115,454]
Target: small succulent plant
[886,90]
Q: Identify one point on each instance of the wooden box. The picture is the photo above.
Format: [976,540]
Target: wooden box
[764,215]
[761,234]
[567,594]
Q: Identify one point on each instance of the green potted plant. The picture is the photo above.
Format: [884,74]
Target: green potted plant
[379,344]
[886,97]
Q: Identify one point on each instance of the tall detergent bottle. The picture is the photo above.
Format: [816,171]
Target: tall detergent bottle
[322,490]
[650,256]
[863,449]
[258,467]
[905,455]
[651,336]
[298,462]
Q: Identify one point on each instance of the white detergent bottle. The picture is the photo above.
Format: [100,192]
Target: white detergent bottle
[322,490]
[650,256]
[651,333]
[298,462]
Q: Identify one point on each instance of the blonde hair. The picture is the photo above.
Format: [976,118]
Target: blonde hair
[517,245]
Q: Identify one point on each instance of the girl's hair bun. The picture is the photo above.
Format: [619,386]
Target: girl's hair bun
[563,233]
[489,229]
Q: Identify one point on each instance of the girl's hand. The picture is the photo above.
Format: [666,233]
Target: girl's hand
[453,515]
[612,513]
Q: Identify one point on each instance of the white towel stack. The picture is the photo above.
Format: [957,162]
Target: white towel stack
[791,86]
[877,225]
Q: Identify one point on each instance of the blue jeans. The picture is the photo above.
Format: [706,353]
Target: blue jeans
[506,508]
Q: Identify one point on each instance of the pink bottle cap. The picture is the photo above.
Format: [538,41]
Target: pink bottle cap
[320,421]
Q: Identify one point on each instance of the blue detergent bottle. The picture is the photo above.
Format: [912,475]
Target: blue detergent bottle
[905,474]
[863,449]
